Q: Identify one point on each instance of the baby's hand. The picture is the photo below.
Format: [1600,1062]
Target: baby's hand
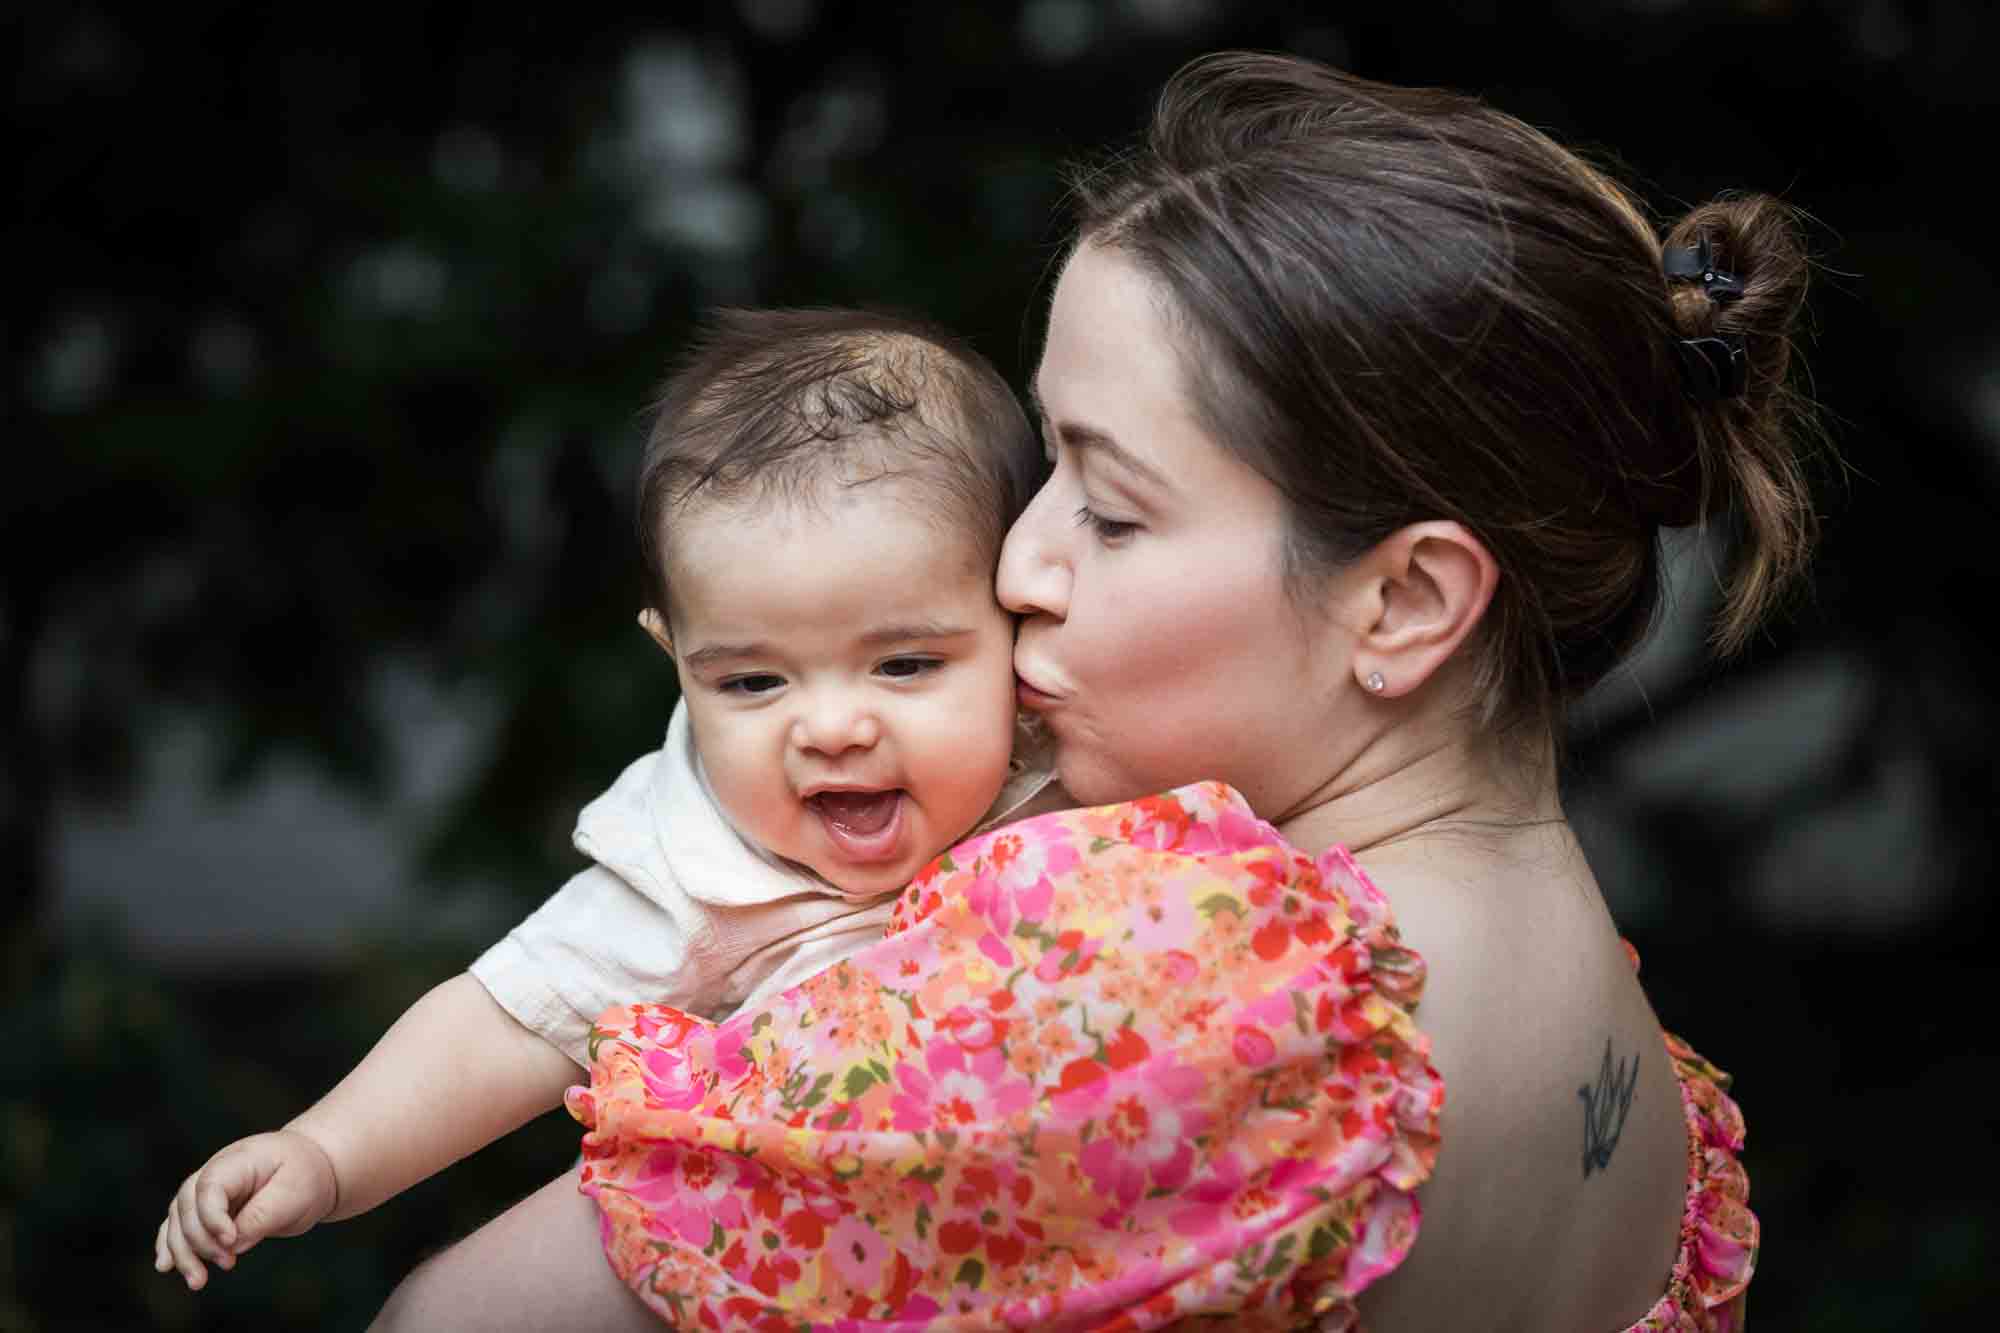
[277,1184]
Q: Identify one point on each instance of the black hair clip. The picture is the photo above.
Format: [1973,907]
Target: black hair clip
[1714,367]
[1695,263]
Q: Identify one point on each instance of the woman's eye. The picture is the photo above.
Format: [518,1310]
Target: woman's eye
[762,683]
[1107,529]
[908,668]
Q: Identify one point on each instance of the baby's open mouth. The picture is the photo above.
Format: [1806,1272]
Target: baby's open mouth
[858,814]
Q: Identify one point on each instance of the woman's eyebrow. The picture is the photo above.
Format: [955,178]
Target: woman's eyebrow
[1089,439]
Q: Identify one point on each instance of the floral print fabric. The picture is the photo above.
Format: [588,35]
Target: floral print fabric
[1113,1068]
[1708,1288]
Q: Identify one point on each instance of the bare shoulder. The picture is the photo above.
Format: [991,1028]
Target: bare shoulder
[1556,1199]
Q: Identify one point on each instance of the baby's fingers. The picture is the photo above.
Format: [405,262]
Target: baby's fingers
[194,1232]
[211,1205]
[181,1255]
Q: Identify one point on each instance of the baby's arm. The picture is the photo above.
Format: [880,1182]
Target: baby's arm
[379,1131]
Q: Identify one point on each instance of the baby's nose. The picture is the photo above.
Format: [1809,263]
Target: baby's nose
[835,725]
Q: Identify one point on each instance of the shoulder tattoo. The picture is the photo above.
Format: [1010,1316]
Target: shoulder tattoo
[1605,1105]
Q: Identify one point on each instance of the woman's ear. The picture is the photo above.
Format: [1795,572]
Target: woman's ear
[656,630]
[1422,590]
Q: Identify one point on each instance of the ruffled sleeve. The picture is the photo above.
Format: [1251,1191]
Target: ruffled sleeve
[1719,1234]
[1116,1068]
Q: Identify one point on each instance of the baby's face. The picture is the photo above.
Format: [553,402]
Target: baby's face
[849,678]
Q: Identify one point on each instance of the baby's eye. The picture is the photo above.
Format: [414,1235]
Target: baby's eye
[908,668]
[752,685]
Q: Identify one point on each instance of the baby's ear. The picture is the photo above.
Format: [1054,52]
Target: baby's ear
[656,630]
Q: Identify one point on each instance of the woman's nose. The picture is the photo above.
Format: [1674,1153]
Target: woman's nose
[834,722]
[1033,578]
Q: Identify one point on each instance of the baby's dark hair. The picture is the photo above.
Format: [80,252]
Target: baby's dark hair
[777,403]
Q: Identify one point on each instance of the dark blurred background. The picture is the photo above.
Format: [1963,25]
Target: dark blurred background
[328,332]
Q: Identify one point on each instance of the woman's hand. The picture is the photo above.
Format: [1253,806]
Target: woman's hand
[278,1184]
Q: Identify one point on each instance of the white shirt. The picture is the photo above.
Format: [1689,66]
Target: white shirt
[680,908]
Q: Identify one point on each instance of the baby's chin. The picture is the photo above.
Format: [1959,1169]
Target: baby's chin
[870,888]
[857,885]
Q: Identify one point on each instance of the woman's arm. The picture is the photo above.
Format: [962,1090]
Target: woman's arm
[535,1267]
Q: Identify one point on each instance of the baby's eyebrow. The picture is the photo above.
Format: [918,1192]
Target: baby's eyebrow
[710,654]
[713,654]
[904,632]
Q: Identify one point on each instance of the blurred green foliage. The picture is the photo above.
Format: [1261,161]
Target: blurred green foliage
[329,337]
[119,1083]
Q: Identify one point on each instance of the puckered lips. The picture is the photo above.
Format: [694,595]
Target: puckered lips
[864,825]
[1031,696]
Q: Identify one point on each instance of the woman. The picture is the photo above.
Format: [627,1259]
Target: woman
[1366,407]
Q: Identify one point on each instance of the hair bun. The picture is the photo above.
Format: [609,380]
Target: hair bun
[1746,297]
[1754,250]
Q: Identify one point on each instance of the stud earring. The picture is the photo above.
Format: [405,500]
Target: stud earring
[1375,682]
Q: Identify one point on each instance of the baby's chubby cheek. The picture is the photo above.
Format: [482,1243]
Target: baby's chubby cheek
[757,797]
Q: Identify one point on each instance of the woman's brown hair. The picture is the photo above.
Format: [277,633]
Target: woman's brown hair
[1400,304]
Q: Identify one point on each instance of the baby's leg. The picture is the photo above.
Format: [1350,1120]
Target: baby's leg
[537,1266]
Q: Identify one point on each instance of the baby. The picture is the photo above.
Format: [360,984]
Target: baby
[822,504]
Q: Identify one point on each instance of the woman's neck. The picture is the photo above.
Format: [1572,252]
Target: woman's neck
[1415,786]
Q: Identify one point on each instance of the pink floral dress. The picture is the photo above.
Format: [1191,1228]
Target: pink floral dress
[1109,1069]
[1708,1288]
[1132,1067]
